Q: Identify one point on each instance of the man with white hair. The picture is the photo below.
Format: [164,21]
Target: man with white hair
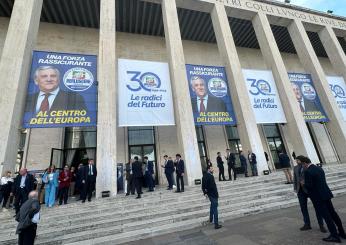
[23,184]
[203,102]
[50,96]
[28,218]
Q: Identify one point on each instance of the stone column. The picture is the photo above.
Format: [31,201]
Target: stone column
[14,70]
[183,111]
[334,50]
[107,101]
[247,127]
[296,125]
[336,126]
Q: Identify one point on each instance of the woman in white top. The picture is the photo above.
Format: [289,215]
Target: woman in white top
[5,188]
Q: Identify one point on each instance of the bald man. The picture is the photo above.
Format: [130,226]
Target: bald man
[28,218]
[23,184]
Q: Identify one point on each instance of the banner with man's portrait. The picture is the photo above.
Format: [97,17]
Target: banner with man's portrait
[307,97]
[210,97]
[62,91]
[338,87]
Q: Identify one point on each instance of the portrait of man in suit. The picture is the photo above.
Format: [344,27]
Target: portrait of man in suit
[50,96]
[203,101]
[304,104]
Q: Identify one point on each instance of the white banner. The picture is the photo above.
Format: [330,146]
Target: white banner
[145,97]
[263,95]
[338,87]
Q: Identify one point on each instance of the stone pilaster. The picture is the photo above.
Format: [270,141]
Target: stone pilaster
[14,70]
[296,125]
[107,101]
[308,57]
[247,127]
[182,104]
[334,50]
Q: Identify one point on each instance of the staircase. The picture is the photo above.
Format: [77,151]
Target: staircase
[123,219]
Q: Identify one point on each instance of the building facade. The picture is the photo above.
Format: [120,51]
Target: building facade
[235,34]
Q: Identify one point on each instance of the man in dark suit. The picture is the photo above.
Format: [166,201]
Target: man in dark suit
[28,218]
[137,175]
[204,102]
[220,166]
[321,196]
[210,190]
[51,97]
[22,186]
[253,162]
[149,173]
[230,157]
[304,104]
[180,170]
[243,163]
[90,174]
[302,194]
[169,170]
[129,179]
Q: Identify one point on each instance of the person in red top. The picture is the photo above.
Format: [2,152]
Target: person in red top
[64,184]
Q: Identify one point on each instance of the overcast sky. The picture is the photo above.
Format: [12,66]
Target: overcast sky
[338,6]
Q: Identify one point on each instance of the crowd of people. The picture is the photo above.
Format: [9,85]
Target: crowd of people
[24,190]
[139,174]
[53,186]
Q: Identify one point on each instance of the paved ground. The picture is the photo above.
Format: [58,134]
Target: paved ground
[280,227]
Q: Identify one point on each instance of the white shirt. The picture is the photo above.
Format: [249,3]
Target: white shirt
[301,102]
[51,98]
[22,181]
[36,218]
[205,102]
[5,180]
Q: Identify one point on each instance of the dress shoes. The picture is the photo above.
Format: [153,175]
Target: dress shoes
[127,194]
[322,229]
[83,201]
[177,191]
[218,226]
[138,197]
[332,239]
[305,227]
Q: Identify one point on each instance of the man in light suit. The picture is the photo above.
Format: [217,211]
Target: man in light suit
[321,196]
[180,170]
[51,97]
[204,102]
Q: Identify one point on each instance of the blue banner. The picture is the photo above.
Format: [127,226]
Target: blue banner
[307,97]
[62,91]
[210,98]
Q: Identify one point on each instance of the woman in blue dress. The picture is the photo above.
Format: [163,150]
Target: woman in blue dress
[50,178]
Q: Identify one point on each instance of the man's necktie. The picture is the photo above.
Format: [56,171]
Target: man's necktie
[301,106]
[45,103]
[201,106]
[90,173]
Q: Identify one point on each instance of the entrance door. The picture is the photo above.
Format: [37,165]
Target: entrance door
[275,142]
[144,150]
[56,158]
